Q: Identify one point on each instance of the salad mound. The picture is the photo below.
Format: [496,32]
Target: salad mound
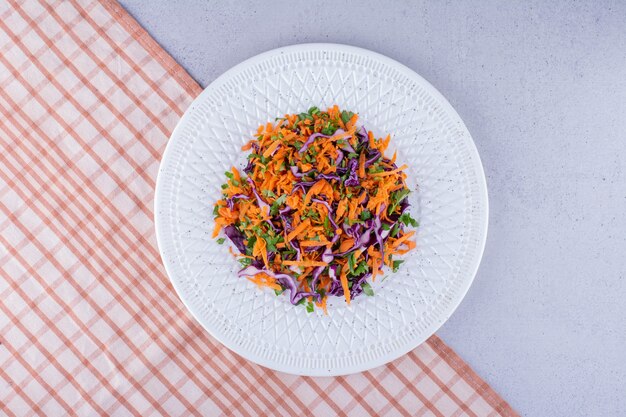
[319,209]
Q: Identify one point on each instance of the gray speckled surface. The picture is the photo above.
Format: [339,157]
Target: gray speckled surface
[542,88]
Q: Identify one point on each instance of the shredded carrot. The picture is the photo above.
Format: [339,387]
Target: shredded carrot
[315,189]
[341,209]
[344,284]
[362,165]
[308,243]
[385,143]
[410,244]
[216,230]
[307,271]
[403,238]
[339,137]
[227,213]
[261,283]
[298,229]
[353,206]
[374,269]
[322,305]
[260,248]
[346,244]
[372,142]
[294,201]
[270,149]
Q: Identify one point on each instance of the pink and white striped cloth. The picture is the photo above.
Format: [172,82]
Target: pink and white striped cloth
[89,323]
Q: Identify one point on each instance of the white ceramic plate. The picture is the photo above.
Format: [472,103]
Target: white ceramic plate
[449,201]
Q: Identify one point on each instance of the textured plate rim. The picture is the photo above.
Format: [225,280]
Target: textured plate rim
[463,287]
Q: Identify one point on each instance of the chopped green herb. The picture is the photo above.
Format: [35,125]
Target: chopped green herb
[396,265]
[304,116]
[313,110]
[385,226]
[394,230]
[216,209]
[408,220]
[245,261]
[279,292]
[251,243]
[346,116]
[272,241]
[396,199]
[367,289]
[221,241]
[311,214]
[229,174]
[309,307]
[277,203]
[351,262]
[366,214]
[360,269]
[329,129]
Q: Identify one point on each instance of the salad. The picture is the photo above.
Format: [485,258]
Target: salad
[319,209]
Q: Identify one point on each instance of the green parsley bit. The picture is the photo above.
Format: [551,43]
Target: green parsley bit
[396,265]
[367,289]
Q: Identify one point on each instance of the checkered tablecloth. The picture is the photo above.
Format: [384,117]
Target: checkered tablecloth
[89,323]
